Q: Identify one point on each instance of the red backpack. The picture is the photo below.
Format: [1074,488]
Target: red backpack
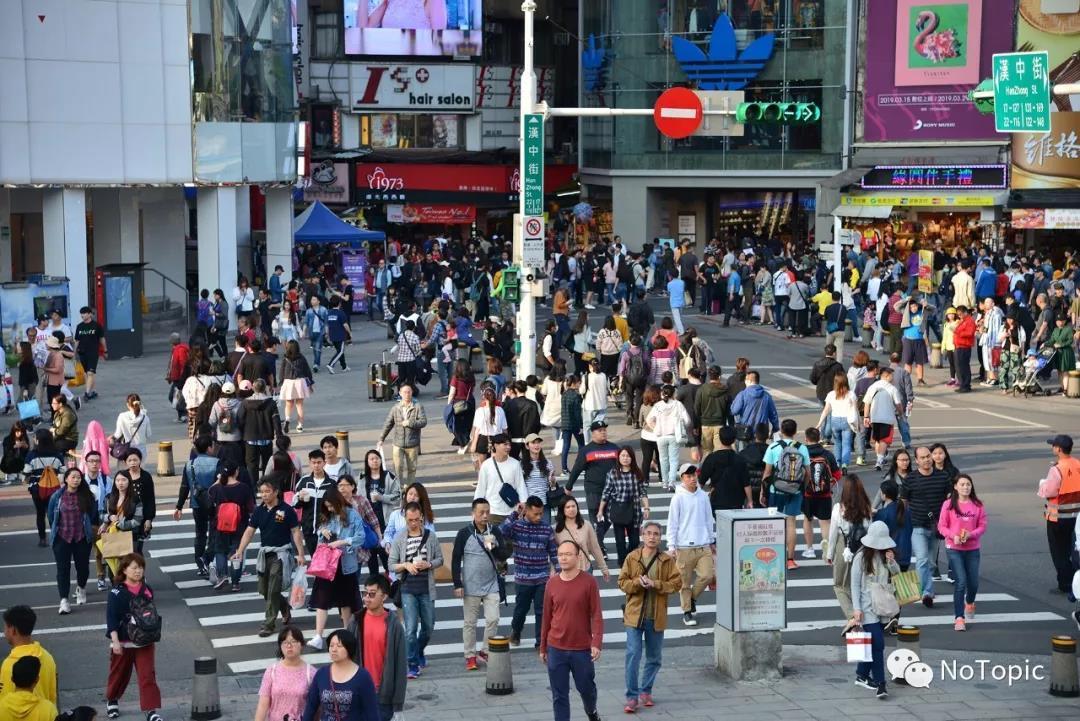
[228,517]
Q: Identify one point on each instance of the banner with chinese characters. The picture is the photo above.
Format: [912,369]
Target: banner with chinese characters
[440,214]
[937,177]
[1051,160]
[1046,218]
[926,271]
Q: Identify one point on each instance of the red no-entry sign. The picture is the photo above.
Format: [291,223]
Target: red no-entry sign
[678,113]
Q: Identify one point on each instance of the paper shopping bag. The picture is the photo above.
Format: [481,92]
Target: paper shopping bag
[115,544]
[858,647]
[907,587]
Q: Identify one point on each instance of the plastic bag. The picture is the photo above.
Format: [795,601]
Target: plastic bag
[858,646]
[298,592]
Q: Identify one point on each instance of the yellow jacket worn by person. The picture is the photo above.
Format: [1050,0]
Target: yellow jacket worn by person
[22,705]
[46,685]
[652,601]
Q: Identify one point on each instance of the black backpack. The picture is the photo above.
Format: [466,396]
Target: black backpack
[144,621]
[635,371]
[854,541]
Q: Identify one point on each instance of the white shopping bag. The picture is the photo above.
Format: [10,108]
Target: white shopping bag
[1076,584]
[858,647]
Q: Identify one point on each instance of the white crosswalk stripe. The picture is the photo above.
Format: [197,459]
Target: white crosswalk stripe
[231,620]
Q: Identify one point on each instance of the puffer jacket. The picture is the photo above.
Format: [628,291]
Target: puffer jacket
[405,422]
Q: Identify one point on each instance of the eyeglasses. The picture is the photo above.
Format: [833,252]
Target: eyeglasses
[371,594]
[290,642]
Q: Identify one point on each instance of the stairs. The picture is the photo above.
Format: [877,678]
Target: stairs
[164,316]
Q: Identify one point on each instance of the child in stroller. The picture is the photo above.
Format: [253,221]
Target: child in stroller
[1037,368]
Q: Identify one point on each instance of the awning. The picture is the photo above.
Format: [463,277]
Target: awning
[863,211]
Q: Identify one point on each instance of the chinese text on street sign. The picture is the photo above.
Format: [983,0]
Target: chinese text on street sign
[1021,92]
[533,176]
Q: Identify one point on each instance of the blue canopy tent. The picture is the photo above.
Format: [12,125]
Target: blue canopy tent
[319,224]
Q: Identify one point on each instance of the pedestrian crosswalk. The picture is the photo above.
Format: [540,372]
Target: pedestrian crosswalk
[231,620]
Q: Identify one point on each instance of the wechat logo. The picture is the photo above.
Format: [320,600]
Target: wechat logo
[904,664]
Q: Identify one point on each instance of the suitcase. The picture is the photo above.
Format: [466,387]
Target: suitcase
[380,383]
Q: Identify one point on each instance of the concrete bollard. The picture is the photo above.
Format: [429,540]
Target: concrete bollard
[477,360]
[907,637]
[867,336]
[205,697]
[165,465]
[342,443]
[1072,384]
[1063,675]
[935,355]
[500,677]
[849,331]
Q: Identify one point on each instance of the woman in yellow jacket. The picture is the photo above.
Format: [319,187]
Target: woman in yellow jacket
[948,348]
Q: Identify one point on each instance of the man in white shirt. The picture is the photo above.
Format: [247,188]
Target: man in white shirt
[882,404]
[691,539]
[500,468]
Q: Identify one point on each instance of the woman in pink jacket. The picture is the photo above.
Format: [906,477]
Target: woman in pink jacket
[962,523]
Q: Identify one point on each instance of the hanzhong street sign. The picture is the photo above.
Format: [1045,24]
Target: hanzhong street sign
[678,113]
[533,179]
[937,177]
[1022,92]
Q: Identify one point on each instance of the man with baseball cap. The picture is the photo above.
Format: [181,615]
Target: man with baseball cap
[691,539]
[595,460]
[1061,489]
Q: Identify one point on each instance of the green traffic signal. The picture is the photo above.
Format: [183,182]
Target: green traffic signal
[778,112]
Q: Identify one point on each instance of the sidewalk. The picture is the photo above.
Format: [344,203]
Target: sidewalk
[816,685]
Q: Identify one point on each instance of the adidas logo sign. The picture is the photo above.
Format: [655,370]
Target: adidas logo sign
[724,68]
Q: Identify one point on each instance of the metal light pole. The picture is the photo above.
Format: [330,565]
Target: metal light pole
[526,326]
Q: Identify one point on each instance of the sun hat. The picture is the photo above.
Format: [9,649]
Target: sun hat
[53,342]
[877,537]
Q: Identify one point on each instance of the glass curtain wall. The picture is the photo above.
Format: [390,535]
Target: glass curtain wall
[243,91]
[635,36]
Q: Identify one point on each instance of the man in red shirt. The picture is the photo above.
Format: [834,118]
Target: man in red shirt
[964,340]
[381,646]
[177,374]
[572,633]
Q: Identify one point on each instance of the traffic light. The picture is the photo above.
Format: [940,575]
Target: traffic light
[778,112]
[511,284]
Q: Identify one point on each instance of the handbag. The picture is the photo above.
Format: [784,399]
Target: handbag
[120,447]
[460,407]
[883,601]
[324,562]
[621,513]
[116,543]
[906,584]
[858,646]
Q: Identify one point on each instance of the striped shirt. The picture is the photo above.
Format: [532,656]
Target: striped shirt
[534,549]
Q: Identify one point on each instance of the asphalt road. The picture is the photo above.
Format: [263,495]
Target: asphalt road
[999,440]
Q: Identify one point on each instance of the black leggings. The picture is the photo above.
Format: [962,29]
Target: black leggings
[40,507]
[378,554]
[649,452]
[626,540]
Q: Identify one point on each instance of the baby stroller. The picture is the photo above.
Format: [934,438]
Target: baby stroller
[615,391]
[1037,375]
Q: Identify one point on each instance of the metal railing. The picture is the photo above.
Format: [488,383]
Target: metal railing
[166,303]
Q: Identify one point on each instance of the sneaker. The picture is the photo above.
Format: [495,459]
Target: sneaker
[265,631]
[153,716]
[235,587]
[285,427]
[299,427]
[969,611]
[891,626]
[212,576]
[631,705]
[221,583]
[345,369]
[593,715]
[882,693]
[863,681]
[791,565]
[80,596]
[414,672]
[928,601]
[688,619]
[112,709]
[470,663]
[809,553]
[65,607]
[646,700]
[102,584]
[590,307]
[461,451]
[330,370]
[200,568]
[860,461]
[960,624]
[317,643]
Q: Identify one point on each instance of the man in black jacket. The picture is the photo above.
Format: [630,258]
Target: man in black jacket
[595,460]
[725,476]
[925,491]
[822,375]
[260,424]
[522,416]
[640,317]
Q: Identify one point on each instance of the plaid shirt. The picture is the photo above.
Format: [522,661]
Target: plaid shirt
[624,487]
[69,523]
[438,335]
[408,347]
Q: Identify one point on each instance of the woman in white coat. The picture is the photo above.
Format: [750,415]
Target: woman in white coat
[668,421]
[133,425]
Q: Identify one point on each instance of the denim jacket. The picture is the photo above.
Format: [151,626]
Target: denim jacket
[309,321]
[353,532]
[89,520]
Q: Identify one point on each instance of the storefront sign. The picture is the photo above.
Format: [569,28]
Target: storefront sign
[534,164]
[354,266]
[926,271]
[435,213]
[751,590]
[1046,218]
[329,182]
[397,177]
[416,88]
[1021,92]
[922,57]
[919,201]
[937,177]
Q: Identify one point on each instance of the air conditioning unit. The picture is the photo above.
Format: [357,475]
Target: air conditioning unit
[562,39]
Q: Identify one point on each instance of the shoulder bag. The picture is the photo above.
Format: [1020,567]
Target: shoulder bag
[121,447]
[500,575]
[648,567]
[507,493]
[745,431]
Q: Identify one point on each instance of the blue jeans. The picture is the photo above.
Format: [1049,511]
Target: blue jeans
[875,670]
[826,430]
[563,331]
[905,429]
[561,664]
[856,324]
[225,545]
[567,436]
[444,376]
[842,439]
[609,293]
[668,457]
[419,611]
[965,568]
[653,642]
[316,347]
[779,309]
[528,594]
[924,542]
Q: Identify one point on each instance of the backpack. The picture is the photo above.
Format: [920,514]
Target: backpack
[228,517]
[635,371]
[226,421]
[790,469]
[883,319]
[48,483]
[820,476]
[144,621]
[686,362]
[854,541]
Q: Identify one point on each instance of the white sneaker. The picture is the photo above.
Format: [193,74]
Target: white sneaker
[65,607]
[809,553]
[461,451]
[317,643]
[80,597]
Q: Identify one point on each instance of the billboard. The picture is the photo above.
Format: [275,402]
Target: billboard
[922,58]
[1051,160]
[413,27]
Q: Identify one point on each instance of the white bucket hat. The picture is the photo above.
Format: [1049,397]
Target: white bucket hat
[877,537]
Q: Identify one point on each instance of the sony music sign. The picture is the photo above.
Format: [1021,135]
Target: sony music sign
[377,87]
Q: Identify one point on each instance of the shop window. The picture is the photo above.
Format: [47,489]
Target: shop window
[799,22]
[387,130]
[322,128]
[327,35]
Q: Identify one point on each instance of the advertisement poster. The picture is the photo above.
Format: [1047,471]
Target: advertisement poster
[926,271]
[354,266]
[1051,160]
[759,553]
[441,214]
[922,58]
[1046,218]
[408,27]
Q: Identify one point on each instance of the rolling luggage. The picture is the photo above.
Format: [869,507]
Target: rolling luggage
[380,386]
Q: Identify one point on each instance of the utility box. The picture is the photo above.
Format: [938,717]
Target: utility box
[118,292]
[751,575]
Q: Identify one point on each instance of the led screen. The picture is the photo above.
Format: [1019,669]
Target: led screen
[413,27]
